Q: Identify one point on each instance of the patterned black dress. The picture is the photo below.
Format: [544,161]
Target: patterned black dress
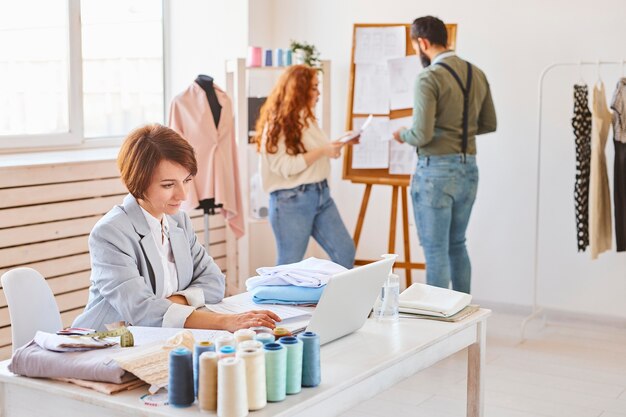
[581,122]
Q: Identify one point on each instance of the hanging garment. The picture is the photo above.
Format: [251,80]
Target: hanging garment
[600,227]
[216,151]
[581,122]
[618,104]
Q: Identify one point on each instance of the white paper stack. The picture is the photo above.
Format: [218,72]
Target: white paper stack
[432,301]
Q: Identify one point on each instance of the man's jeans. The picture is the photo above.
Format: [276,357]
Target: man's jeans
[443,189]
[304,211]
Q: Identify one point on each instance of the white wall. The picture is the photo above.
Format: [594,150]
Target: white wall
[202,36]
[512,42]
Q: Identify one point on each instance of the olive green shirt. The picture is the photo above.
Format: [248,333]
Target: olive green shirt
[438,109]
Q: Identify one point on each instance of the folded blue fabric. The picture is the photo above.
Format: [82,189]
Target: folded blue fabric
[286,294]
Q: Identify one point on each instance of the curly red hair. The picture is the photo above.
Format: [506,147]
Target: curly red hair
[287,110]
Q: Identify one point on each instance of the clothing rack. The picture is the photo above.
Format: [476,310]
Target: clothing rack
[537,309]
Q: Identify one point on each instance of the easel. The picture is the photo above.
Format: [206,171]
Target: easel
[370,177]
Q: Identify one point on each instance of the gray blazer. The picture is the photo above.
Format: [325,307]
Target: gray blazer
[126,272]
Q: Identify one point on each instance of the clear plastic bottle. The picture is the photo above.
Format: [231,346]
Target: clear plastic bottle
[387,305]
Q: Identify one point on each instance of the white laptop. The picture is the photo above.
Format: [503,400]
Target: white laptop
[346,301]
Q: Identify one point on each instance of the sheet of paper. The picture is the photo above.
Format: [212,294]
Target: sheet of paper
[243,302]
[402,156]
[144,335]
[371,89]
[402,73]
[373,148]
[375,45]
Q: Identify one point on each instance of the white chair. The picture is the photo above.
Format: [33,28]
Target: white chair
[31,305]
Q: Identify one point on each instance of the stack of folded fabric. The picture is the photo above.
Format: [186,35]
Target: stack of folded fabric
[430,301]
[300,283]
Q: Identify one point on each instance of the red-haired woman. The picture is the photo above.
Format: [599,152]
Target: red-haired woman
[295,165]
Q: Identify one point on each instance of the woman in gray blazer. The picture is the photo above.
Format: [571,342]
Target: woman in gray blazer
[147,266]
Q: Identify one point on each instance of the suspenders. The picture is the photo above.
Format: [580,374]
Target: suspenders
[465,90]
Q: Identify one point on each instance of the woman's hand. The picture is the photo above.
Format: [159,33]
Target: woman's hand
[254,318]
[333,150]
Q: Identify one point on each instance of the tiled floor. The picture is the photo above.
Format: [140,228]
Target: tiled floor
[559,371]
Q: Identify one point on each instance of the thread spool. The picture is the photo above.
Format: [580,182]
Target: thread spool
[268,57]
[275,371]
[254,360]
[227,352]
[294,363]
[180,383]
[247,344]
[280,62]
[207,383]
[311,369]
[254,56]
[198,349]
[232,397]
[265,338]
[281,332]
[288,57]
[242,335]
[226,340]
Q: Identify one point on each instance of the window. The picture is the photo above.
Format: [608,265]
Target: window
[79,70]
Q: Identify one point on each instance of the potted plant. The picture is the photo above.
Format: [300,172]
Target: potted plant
[305,53]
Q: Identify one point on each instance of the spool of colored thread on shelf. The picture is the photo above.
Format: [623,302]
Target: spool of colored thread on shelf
[232,396]
[254,56]
[246,344]
[280,62]
[288,57]
[281,332]
[311,368]
[268,57]
[227,340]
[207,381]
[244,334]
[265,338]
[227,352]
[275,371]
[294,363]
[180,383]
[198,349]
[254,359]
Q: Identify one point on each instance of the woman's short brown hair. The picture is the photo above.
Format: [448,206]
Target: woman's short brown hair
[142,151]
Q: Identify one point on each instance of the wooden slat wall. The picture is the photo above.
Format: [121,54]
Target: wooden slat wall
[46,214]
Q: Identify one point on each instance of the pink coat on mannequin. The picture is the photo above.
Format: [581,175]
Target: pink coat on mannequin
[216,152]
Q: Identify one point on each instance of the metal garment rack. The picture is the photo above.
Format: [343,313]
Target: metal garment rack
[537,309]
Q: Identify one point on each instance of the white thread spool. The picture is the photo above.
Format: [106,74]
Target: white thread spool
[254,359]
[207,381]
[244,334]
[226,340]
[232,397]
[255,344]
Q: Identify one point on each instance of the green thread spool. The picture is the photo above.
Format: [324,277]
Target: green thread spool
[294,363]
[311,368]
[275,371]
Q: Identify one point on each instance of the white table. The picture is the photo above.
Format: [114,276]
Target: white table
[354,369]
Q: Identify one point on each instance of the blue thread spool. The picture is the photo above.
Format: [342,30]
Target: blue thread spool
[288,57]
[227,352]
[275,371]
[180,384]
[268,57]
[294,363]
[198,349]
[265,338]
[311,370]
[280,62]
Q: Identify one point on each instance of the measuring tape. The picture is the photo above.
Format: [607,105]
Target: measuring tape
[126,337]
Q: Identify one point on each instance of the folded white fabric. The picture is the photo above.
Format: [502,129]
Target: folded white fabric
[311,272]
[58,343]
[434,301]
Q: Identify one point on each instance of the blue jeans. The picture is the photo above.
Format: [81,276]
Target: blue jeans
[298,213]
[443,189]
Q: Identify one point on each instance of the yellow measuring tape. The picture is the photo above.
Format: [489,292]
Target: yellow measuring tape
[126,337]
